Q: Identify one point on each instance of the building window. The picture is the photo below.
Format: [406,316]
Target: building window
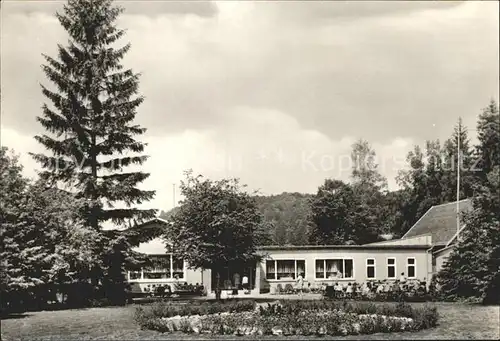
[135,275]
[334,268]
[391,267]
[410,267]
[271,269]
[177,268]
[370,268]
[320,269]
[165,267]
[285,269]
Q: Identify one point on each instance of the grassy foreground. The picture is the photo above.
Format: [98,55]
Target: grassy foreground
[457,321]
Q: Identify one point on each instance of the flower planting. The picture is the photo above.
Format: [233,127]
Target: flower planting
[164,309]
[296,318]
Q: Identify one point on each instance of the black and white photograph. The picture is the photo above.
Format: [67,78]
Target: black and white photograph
[249,169]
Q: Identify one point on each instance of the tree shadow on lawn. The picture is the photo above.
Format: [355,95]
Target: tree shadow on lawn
[15,316]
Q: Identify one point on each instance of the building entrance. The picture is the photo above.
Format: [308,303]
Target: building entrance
[232,278]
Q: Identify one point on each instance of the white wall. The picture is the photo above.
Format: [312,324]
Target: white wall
[359,257]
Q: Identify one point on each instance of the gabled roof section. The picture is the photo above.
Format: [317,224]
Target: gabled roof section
[146,231]
[156,220]
[150,241]
[440,222]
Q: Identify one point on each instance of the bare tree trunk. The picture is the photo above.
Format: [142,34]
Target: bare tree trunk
[217,286]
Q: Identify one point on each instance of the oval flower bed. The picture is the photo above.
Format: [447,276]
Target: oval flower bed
[300,319]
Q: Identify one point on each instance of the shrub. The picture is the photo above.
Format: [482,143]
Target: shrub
[185,326]
[288,288]
[404,309]
[367,326]
[100,302]
[271,309]
[330,292]
[168,309]
[213,324]
[241,306]
[279,288]
[427,314]
[157,324]
[333,325]
[425,317]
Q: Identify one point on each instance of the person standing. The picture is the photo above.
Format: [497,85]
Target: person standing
[300,284]
[337,289]
[349,290]
[244,282]
[236,280]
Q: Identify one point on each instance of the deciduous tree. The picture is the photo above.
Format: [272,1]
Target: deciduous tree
[46,249]
[217,226]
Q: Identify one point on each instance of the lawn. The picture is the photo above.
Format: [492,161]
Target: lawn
[457,321]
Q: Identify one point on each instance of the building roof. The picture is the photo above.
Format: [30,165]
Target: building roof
[425,239]
[340,247]
[440,222]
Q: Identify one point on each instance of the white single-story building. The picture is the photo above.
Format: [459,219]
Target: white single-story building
[419,254]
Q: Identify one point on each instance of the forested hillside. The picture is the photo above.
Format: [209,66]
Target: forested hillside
[285,214]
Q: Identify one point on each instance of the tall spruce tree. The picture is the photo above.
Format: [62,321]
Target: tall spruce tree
[92,134]
[92,116]
[434,172]
[473,268]
[466,162]
[488,134]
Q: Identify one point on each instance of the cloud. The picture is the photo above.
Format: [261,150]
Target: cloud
[285,157]
[410,70]
[22,145]
[355,10]
[155,8]
[279,89]
[141,7]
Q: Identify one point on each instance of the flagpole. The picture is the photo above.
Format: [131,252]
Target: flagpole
[173,194]
[458,175]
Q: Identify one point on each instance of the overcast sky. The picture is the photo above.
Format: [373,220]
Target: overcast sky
[273,93]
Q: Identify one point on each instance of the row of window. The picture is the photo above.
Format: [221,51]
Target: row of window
[171,267]
[332,268]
